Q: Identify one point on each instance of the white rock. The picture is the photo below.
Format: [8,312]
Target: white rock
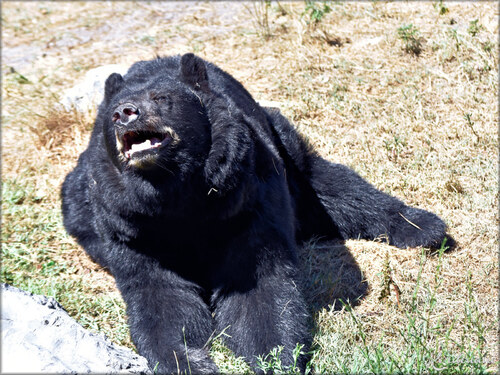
[88,94]
[39,336]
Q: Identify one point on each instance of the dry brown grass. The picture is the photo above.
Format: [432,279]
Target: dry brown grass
[422,127]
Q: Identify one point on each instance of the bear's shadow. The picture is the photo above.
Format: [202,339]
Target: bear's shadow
[330,276]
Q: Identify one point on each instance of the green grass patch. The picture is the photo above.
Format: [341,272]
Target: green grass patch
[34,245]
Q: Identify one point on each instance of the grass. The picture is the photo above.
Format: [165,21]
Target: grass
[420,126]
[424,333]
[38,256]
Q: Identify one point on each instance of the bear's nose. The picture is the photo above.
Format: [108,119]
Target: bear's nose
[125,113]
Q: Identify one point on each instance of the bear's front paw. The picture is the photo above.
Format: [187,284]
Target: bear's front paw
[201,363]
[415,227]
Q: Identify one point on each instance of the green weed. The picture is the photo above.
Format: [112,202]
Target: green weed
[410,35]
[271,363]
[488,46]
[470,124]
[316,10]
[453,35]
[474,27]
[441,7]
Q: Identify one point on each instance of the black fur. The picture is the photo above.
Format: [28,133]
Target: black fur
[201,232]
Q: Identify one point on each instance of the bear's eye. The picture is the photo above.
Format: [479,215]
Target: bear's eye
[161,98]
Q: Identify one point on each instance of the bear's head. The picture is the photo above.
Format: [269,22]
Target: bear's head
[163,119]
[155,120]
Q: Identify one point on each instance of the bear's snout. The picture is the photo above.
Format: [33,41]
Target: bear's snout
[125,114]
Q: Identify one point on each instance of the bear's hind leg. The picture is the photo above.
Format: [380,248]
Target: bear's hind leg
[360,211]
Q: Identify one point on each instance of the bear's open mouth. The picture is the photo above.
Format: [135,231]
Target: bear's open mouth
[135,141]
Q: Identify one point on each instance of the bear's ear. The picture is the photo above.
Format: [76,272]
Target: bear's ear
[114,83]
[194,72]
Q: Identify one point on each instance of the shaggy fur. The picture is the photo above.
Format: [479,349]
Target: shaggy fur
[195,197]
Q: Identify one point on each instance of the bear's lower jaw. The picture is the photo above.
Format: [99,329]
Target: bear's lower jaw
[146,161]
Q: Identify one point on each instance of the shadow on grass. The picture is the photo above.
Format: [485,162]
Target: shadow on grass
[330,274]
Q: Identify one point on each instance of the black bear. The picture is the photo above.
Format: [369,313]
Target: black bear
[195,197]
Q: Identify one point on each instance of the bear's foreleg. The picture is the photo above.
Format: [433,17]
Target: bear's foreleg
[170,324]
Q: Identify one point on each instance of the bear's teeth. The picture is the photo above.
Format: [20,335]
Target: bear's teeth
[141,146]
[147,144]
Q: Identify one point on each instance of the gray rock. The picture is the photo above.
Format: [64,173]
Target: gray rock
[88,94]
[38,335]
